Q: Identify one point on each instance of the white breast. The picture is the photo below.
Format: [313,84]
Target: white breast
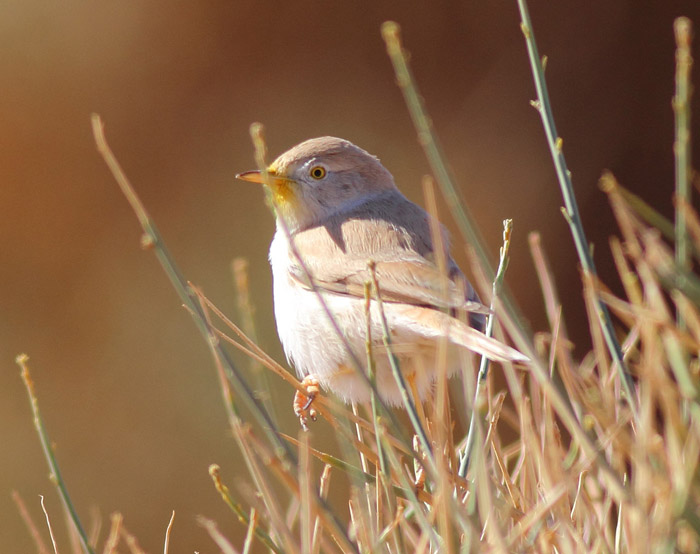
[308,338]
[312,345]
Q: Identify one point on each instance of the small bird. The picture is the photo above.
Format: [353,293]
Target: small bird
[342,210]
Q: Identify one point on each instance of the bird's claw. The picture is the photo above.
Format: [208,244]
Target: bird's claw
[303,401]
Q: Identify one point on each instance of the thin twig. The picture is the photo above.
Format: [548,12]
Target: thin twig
[210,527]
[29,522]
[396,370]
[304,480]
[356,472]
[442,430]
[153,240]
[544,107]
[131,542]
[323,493]
[484,365]
[55,477]
[114,534]
[250,533]
[412,496]
[246,310]
[681,147]
[95,526]
[166,544]
[376,418]
[223,490]
[48,524]
[391,33]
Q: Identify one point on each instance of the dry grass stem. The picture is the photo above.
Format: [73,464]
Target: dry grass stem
[587,449]
[168,530]
[29,522]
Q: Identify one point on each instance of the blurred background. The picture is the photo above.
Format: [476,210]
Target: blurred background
[126,384]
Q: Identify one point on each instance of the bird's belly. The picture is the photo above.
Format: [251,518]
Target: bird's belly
[308,336]
[313,346]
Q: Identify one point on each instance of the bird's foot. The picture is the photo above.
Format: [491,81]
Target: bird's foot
[302,401]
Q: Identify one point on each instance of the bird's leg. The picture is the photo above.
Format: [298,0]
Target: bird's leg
[302,401]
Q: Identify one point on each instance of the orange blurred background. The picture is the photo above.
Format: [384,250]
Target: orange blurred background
[126,384]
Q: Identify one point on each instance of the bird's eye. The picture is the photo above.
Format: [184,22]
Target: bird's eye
[318,172]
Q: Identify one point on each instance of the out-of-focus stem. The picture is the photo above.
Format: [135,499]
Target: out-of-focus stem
[571,212]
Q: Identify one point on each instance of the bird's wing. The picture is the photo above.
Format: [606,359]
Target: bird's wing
[406,281]
[398,241]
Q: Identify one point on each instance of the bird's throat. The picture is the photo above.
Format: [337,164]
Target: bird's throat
[283,195]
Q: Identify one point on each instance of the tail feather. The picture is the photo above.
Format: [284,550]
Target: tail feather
[432,324]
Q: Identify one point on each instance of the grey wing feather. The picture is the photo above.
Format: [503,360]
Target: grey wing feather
[395,234]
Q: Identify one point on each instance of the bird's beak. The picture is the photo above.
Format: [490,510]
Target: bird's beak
[281,187]
[254,176]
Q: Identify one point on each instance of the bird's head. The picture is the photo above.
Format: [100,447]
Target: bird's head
[320,177]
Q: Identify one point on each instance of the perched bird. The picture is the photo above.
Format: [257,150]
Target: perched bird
[341,209]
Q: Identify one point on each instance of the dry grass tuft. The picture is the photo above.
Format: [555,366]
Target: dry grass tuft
[593,455]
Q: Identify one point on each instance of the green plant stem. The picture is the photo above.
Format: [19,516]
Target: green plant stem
[239,270]
[236,430]
[152,239]
[55,475]
[648,213]
[681,148]
[573,218]
[411,497]
[391,33]
[652,216]
[396,370]
[376,418]
[356,473]
[484,365]
[241,514]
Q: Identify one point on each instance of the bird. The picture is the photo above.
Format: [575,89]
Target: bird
[340,222]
